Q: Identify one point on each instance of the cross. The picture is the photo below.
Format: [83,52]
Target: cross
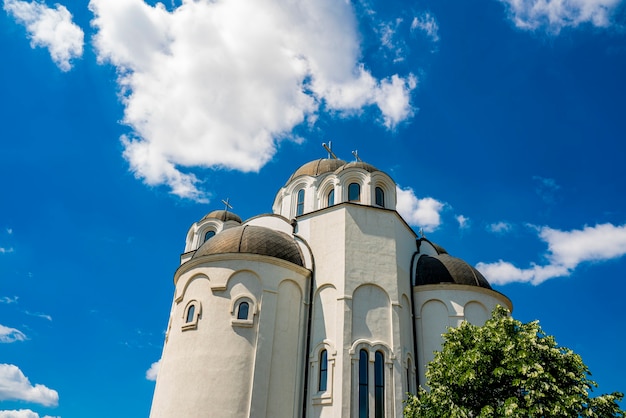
[329,148]
[356,155]
[227,204]
[422,232]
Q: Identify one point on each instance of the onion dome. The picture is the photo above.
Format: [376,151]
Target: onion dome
[357,164]
[443,268]
[222,215]
[253,239]
[317,167]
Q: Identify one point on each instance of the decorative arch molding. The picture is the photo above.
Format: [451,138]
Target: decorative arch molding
[187,283]
[384,182]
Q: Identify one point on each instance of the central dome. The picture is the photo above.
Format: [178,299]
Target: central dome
[317,167]
[253,239]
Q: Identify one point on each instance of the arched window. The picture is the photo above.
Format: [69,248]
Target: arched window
[300,203]
[363,392]
[354,192]
[379,385]
[242,312]
[323,371]
[380,197]
[190,311]
[209,235]
[331,197]
[409,386]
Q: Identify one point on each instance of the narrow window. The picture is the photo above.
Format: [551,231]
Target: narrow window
[379,385]
[209,235]
[242,313]
[363,392]
[409,387]
[323,371]
[190,311]
[380,197]
[331,197]
[354,192]
[300,203]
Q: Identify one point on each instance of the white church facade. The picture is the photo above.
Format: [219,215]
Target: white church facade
[331,306]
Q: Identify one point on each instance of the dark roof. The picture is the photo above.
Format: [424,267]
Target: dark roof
[253,239]
[222,215]
[443,268]
[317,167]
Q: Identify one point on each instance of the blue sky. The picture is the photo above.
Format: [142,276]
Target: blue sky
[123,122]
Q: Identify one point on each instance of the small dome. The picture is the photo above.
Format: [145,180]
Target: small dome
[317,167]
[444,268]
[222,215]
[357,164]
[253,239]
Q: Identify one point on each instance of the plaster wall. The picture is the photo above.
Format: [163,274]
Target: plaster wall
[440,306]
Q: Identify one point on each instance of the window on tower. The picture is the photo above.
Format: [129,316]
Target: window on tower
[191,315]
[300,203]
[209,235]
[242,310]
[380,197]
[331,197]
[379,385]
[354,192]
[363,391]
[323,378]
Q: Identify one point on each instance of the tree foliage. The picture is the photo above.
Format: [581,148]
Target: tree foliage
[508,369]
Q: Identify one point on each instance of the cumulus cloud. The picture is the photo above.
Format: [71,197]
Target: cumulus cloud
[500,227]
[15,386]
[554,15]
[22,413]
[10,335]
[566,250]
[50,28]
[427,24]
[217,83]
[153,371]
[425,213]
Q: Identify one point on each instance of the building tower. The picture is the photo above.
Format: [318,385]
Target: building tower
[331,306]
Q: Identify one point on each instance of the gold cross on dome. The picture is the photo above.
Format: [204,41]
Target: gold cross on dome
[227,204]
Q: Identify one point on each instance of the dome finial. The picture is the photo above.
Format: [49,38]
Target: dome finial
[329,148]
[227,204]
[356,155]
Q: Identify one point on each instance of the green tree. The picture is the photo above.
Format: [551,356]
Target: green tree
[507,369]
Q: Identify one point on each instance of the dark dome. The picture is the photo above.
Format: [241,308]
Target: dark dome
[444,268]
[253,239]
[222,215]
[357,164]
[317,167]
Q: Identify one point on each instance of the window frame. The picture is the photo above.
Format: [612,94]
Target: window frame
[350,188]
[195,308]
[379,191]
[300,198]
[235,310]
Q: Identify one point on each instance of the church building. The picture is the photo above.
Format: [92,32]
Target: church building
[331,306]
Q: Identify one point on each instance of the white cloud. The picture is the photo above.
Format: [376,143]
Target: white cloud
[463,221]
[153,371]
[426,23]
[500,227]
[15,386]
[6,250]
[51,28]
[554,15]
[39,315]
[217,83]
[9,231]
[10,335]
[424,213]
[566,250]
[8,300]
[22,413]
